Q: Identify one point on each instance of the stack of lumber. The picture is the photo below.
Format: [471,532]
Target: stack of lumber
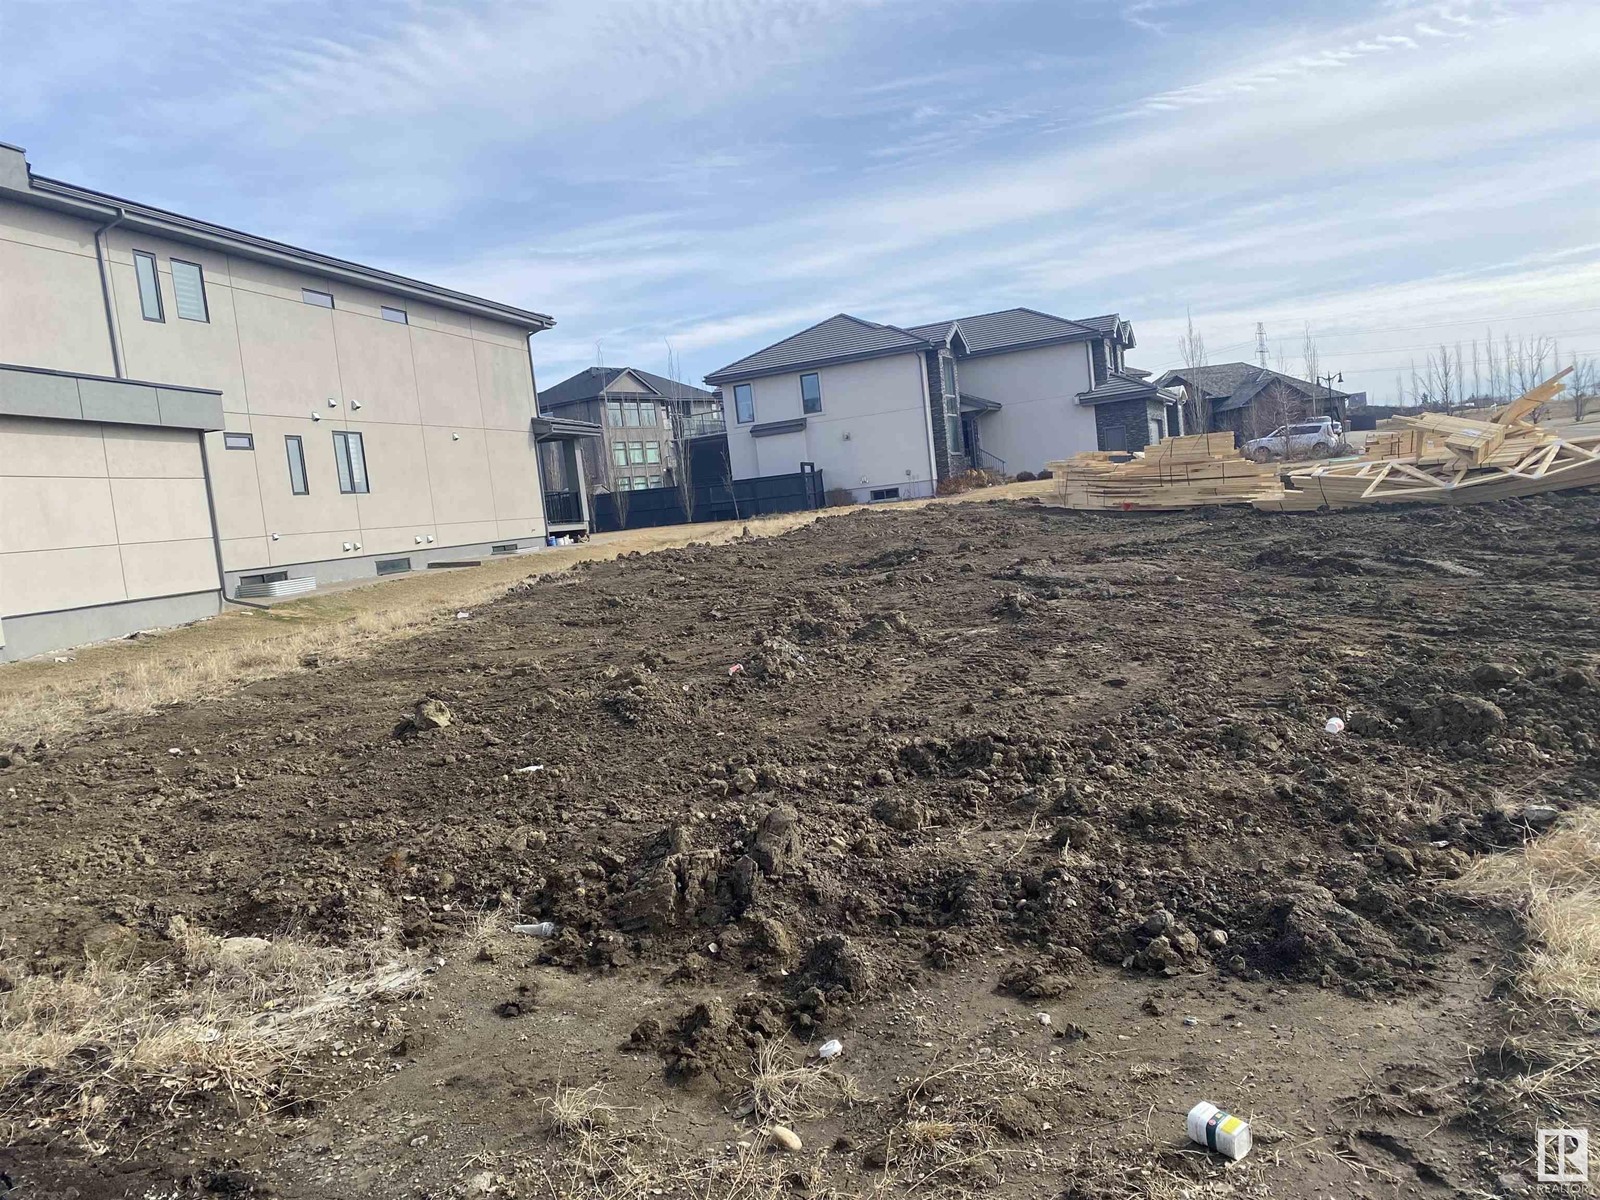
[1453,460]
[1181,472]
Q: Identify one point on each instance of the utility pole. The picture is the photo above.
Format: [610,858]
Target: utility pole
[1261,342]
[1329,380]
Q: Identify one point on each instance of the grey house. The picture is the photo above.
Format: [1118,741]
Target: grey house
[886,412]
[1250,401]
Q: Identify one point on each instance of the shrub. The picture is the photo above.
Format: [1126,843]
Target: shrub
[839,497]
[1026,477]
[1045,474]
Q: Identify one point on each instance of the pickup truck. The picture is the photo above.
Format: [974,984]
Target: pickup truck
[1318,438]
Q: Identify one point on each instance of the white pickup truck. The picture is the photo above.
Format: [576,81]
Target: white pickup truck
[1319,437]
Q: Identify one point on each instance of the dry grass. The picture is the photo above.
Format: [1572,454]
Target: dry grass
[783,1091]
[84,1051]
[1555,885]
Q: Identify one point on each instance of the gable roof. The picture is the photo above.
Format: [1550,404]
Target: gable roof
[839,339]
[1119,385]
[1009,329]
[1236,384]
[592,382]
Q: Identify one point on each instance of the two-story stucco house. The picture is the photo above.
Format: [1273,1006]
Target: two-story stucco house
[188,410]
[886,412]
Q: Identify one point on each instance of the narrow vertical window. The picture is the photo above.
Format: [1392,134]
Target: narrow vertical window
[811,393]
[744,403]
[189,289]
[351,460]
[144,265]
[297,465]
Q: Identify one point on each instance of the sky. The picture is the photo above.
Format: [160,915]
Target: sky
[709,176]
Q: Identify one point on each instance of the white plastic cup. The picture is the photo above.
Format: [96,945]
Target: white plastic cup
[1217,1130]
[831,1048]
[1334,725]
[539,929]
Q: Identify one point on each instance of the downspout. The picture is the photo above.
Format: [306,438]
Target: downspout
[105,295]
[216,531]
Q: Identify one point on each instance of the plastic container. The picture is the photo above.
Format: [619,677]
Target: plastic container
[539,929]
[1217,1130]
[830,1049]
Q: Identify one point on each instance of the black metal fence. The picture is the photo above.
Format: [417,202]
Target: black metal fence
[735,501]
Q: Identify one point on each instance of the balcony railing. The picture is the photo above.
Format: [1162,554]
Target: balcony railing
[563,508]
[703,424]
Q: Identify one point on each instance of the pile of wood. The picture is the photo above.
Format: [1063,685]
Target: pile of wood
[1181,472]
[1451,460]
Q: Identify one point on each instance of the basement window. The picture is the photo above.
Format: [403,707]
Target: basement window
[505,548]
[239,441]
[884,494]
[393,566]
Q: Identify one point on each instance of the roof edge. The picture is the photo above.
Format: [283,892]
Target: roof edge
[724,375]
[42,189]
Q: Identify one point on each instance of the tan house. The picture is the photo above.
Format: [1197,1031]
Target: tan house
[188,411]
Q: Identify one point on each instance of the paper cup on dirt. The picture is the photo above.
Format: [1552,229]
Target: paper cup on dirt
[1217,1130]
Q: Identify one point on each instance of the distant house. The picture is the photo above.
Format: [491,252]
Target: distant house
[646,419]
[887,412]
[1250,401]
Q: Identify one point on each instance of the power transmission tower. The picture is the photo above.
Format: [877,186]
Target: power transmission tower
[1261,342]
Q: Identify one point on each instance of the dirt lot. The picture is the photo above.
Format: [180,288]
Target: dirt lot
[913,780]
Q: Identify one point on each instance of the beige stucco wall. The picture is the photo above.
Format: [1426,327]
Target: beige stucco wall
[443,403]
[99,514]
[872,431]
[1040,418]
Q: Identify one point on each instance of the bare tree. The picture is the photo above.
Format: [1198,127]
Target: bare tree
[1442,382]
[683,459]
[1584,383]
[1494,365]
[1313,360]
[1192,346]
[1477,386]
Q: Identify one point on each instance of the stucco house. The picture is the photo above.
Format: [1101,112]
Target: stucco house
[886,412]
[188,411]
[1251,401]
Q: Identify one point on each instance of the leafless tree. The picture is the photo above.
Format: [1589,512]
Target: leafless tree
[1495,365]
[1192,346]
[1584,383]
[1442,382]
[1313,360]
[1477,385]
[678,414]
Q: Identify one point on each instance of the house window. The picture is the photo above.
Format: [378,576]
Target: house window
[393,566]
[811,393]
[320,299]
[614,413]
[505,548]
[652,452]
[630,414]
[947,374]
[295,449]
[647,414]
[397,315]
[640,483]
[144,266]
[619,453]
[189,288]
[744,403]
[635,453]
[884,493]
[655,481]
[351,458]
[238,441]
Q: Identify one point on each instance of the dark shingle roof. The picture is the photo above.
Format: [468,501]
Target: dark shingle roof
[1121,386]
[591,382]
[1236,384]
[1011,329]
[838,339]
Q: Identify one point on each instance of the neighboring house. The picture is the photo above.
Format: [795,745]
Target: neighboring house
[644,419]
[887,412]
[1251,401]
[186,410]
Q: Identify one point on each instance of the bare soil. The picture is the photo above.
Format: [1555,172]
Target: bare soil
[908,779]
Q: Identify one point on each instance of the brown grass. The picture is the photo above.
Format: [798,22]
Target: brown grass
[1554,884]
[782,1090]
[82,1051]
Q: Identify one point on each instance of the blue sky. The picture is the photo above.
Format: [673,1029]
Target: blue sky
[720,173]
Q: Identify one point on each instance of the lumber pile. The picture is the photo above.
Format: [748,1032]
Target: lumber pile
[1180,472]
[1452,460]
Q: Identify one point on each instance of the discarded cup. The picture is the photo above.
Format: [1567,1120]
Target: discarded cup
[736,669]
[1217,1130]
[539,929]
[530,769]
[1334,725]
[830,1049]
